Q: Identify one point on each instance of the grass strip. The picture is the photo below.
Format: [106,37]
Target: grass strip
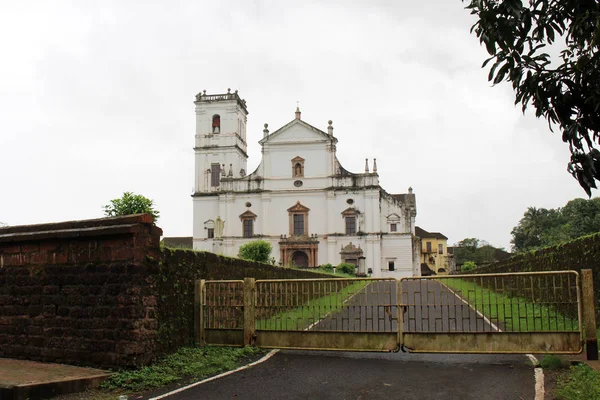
[301,317]
[515,314]
[186,363]
[581,383]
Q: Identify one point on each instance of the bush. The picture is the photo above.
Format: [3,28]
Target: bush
[550,361]
[346,268]
[257,250]
[468,266]
[326,267]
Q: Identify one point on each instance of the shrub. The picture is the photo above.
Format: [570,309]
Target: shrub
[326,267]
[468,266]
[550,361]
[346,268]
[257,250]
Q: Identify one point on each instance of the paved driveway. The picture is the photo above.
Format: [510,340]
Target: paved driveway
[339,376]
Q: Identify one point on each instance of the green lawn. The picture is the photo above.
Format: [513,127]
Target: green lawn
[297,318]
[513,314]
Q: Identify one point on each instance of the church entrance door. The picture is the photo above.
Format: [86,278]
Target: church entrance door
[300,259]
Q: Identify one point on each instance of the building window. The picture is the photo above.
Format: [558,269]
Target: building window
[216,123]
[248,228]
[440,248]
[298,224]
[297,167]
[350,225]
[298,219]
[210,233]
[215,175]
[429,247]
[247,219]
[393,228]
[391,266]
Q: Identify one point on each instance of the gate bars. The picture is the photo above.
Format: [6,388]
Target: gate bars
[537,312]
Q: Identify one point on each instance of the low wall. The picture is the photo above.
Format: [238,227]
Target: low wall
[102,292]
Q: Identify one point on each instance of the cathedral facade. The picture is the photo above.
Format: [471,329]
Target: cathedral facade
[299,199]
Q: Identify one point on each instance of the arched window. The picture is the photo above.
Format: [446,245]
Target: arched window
[216,123]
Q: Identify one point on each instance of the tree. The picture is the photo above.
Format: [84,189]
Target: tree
[468,266]
[540,227]
[563,89]
[131,203]
[257,250]
[476,250]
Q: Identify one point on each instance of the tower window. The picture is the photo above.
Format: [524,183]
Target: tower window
[216,123]
[215,175]
[391,266]
[210,233]
[393,228]
[350,225]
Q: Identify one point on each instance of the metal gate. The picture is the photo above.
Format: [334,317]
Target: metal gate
[485,313]
[492,313]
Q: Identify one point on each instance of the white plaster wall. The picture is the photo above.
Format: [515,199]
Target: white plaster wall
[397,248]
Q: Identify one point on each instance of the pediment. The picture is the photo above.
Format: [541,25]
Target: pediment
[297,159]
[248,215]
[350,211]
[298,208]
[297,131]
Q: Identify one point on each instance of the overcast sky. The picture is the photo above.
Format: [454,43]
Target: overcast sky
[96,98]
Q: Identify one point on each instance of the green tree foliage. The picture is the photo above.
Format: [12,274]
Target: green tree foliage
[257,250]
[540,227]
[476,250]
[130,203]
[346,268]
[468,266]
[563,89]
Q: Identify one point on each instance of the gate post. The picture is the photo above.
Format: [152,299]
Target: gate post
[249,311]
[589,314]
[399,313]
[198,311]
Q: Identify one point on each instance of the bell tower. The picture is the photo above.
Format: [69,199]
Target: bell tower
[220,147]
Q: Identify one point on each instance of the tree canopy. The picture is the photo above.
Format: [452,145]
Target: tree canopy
[131,203]
[541,227]
[564,89]
[477,251]
[257,250]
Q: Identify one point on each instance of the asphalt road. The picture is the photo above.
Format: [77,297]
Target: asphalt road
[429,307]
[339,376]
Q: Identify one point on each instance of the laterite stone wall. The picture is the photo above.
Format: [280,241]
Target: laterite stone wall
[102,292]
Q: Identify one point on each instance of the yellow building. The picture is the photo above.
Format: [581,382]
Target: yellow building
[434,253]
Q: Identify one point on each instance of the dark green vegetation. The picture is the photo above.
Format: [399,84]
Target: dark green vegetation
[581,383]
[187,363]
[478,251]
[540,227]
[131,203]
[563,89]
[550,361]
[257,250]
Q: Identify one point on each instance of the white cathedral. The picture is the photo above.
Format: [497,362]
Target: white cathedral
[299,199]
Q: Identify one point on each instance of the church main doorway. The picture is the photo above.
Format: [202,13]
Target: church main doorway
[300,259]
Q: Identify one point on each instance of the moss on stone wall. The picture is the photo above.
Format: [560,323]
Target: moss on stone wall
[179,269]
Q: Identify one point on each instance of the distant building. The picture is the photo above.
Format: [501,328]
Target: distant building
[435,257]
[300,199]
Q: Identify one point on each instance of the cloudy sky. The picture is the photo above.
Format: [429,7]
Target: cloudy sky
[96,98]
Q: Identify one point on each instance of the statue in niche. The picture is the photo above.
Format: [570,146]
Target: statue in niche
[219,226]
